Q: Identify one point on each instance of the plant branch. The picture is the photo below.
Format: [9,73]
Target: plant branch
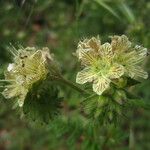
[74,86]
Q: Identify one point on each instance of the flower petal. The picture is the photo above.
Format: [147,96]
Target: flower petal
[140,55]
[10,67]
[106,50]
[82,48]
[86,75]
[136,72]
[100,85]
[120,43]
[88,46]
[116,71]
[94,43]
[141,50]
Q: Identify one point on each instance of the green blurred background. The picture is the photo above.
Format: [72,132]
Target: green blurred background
[59,25]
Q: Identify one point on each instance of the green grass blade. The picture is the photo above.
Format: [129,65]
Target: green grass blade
[124,8]
[107,7]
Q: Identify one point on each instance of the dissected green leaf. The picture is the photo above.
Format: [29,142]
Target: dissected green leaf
[42,103]
[104,109]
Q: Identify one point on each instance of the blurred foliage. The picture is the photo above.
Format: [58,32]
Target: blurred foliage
[60,25]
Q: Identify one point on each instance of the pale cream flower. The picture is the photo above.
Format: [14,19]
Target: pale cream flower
[104,63]
[99,66]
[29,66]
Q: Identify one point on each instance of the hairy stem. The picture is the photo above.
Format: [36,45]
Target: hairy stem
[74,86]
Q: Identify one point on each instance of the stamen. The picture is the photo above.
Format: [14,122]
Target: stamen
[20,46]
[2,86]
[7,80]
[13,50]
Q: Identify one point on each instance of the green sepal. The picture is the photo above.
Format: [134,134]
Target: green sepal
[138,103]
[42,102]
[102,109]
[125,82]
[132,82]
[130,95]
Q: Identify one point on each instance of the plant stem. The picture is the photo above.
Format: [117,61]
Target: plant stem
[104,145]
[74,86]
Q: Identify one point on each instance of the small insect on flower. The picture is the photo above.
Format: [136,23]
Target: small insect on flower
[103,63]
[98,63]
[29,66]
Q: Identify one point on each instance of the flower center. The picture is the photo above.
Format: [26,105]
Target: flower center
[101,67]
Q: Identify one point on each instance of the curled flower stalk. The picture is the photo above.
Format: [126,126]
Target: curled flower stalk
[32,82]
[30,65]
